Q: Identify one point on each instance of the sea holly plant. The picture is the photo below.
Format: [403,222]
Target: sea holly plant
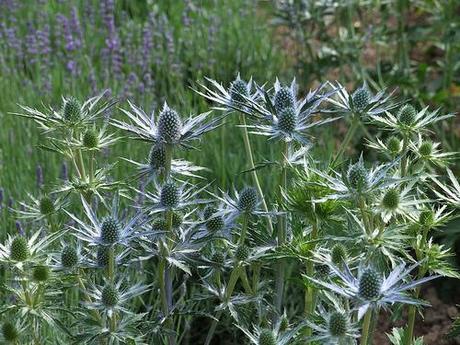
[144,257]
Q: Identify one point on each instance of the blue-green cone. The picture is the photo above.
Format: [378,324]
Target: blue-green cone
[169,125]
[248,199]
[102,256]
[19,249]
[157,156]
[177,219]
[322,270]
[338,253]
[370,284]
[213,223]
[287,120]
[69,257]
[218,258]
[284,98]
[407,115]
[71,110]
[110,230]
[267,337]
[391,199]
[46,205]
[170,195]
[358,176]
[90,139]
[41,273]
[426,218]
[426,149]
[110,296]
[394,145]
[238,91]
[242,252]
[9,332]
[361,98]
[338,324]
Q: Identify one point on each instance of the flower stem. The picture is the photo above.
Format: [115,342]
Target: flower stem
[350,134]
[310,291]
[248,149]
[365,336]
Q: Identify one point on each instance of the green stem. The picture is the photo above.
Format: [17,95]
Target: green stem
[350,134]
[248,149]
[365,335]
[310,291]
[282,229]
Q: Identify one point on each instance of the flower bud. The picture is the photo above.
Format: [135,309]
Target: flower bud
[248,199]
[110,230]
[19,249]
[370,284]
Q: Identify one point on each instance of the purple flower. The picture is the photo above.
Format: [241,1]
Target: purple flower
[39,176]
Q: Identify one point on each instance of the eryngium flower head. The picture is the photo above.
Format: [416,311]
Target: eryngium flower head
[370,289]
[322,270]
[41,273]
[287,120]
[394,145]
[238,90]
[370,284]
[284,98]
[177,219]
[71,109]
[102,256]
[46,205]
[361,98]
[9,332]
[110,230]
[358,176]
[169,125]
[426,148]
[213,223]
[248,199]
[266,337]
[218,258]
[338,324]
[157,157]
[170,195]
[19,250]
[69,257]
[407,114]
[391,199]
[426,218]
[338,254]
[90,139]
[109,296]
[242,252]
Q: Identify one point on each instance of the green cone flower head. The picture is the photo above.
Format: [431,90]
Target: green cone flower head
[287,120]
[41,273]
[322,270]
[361,98]
[110,230]
[157,156]
[358,176]
[218,258]
[284,324]
[338,324]
[102,256]
[177,219]
[239,90]
[406,115]
[71,109]
[370,284]
[284,98]
[170,195]
[19,249]
[213,223]
[267,337]
[46,205]
[242,252]
[69,257]
[9,332]
[391,199]
[426,148]
[426,218]
[110,296]
[394,145]
[248,199]
[159,225]
[90,139]
[169,125]
[338,254]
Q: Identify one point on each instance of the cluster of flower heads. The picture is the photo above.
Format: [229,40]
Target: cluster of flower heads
[353,226]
